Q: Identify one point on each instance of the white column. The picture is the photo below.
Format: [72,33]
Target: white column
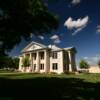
[30,68]
[37,62]
[46,61]
[70,61]
[24,55]
[20,63]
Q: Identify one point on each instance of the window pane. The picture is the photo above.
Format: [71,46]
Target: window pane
[34,56]
[42,55]
[41,66]
[54,66]
[34,66]
[54,55]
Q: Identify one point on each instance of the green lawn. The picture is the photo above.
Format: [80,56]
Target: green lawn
[49,86]
[18,75]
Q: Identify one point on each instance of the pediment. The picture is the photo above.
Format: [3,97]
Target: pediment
[33,46]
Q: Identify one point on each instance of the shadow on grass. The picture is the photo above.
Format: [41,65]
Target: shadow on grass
[45,88]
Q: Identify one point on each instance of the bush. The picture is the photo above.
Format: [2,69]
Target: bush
[83,64]
[67,72]
[53,73]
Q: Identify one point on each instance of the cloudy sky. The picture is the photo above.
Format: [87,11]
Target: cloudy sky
[79,27]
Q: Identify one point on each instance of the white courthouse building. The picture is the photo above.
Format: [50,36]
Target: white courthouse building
[46,59]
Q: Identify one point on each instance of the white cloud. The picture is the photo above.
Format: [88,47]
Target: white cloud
[70,23]
[98,29]
[75,2]
[92,60]
[77,25]
[85,57]
[77,30]
[41,37]
[55,38]
[57,41]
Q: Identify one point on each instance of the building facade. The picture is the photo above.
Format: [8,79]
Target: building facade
[47,59]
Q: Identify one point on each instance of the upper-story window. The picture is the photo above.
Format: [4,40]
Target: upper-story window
[34,56]
[41,55]
[54,55]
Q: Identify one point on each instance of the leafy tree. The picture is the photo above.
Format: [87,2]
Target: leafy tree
[83,64]
[20,18]
[26,62]
[16,63]
[8,62]
[3,61]
[98,63]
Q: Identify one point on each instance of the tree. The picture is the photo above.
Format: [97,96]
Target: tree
[83,64]
[16,63]
[98,63]
[20,18]
[26,62]
[8,62]
[3,62]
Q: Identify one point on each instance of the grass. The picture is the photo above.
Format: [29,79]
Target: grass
[25,86]
[17,75]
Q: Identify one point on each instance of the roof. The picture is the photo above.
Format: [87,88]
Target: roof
[71,48]
[30,44]
[42,46]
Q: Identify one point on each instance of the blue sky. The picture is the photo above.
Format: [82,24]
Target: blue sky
[79,27]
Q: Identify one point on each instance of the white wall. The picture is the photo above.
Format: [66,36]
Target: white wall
[59,60]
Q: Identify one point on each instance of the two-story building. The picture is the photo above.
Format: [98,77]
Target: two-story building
[51,58]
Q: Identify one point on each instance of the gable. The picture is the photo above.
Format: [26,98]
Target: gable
[33,46]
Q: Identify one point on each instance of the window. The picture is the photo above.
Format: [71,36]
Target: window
[42,55]
[54,55]
[54,66]
[34,56]
[41,66]
[34,66]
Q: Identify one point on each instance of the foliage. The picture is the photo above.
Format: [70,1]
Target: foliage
[16,62]
[26,62]
[21,18]
[8,62]
[98,63]
[5,62]
[83,64]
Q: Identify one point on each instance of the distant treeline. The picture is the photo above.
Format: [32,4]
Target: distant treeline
[9,62]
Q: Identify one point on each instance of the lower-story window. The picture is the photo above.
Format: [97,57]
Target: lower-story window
[41,66]
[34,66]
[54,66]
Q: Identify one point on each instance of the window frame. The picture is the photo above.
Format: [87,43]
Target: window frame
[54,55]
[42,55]
[34,66]
[55,66]
[42,66]
[34,55]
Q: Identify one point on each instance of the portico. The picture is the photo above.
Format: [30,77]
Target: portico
[38,60]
